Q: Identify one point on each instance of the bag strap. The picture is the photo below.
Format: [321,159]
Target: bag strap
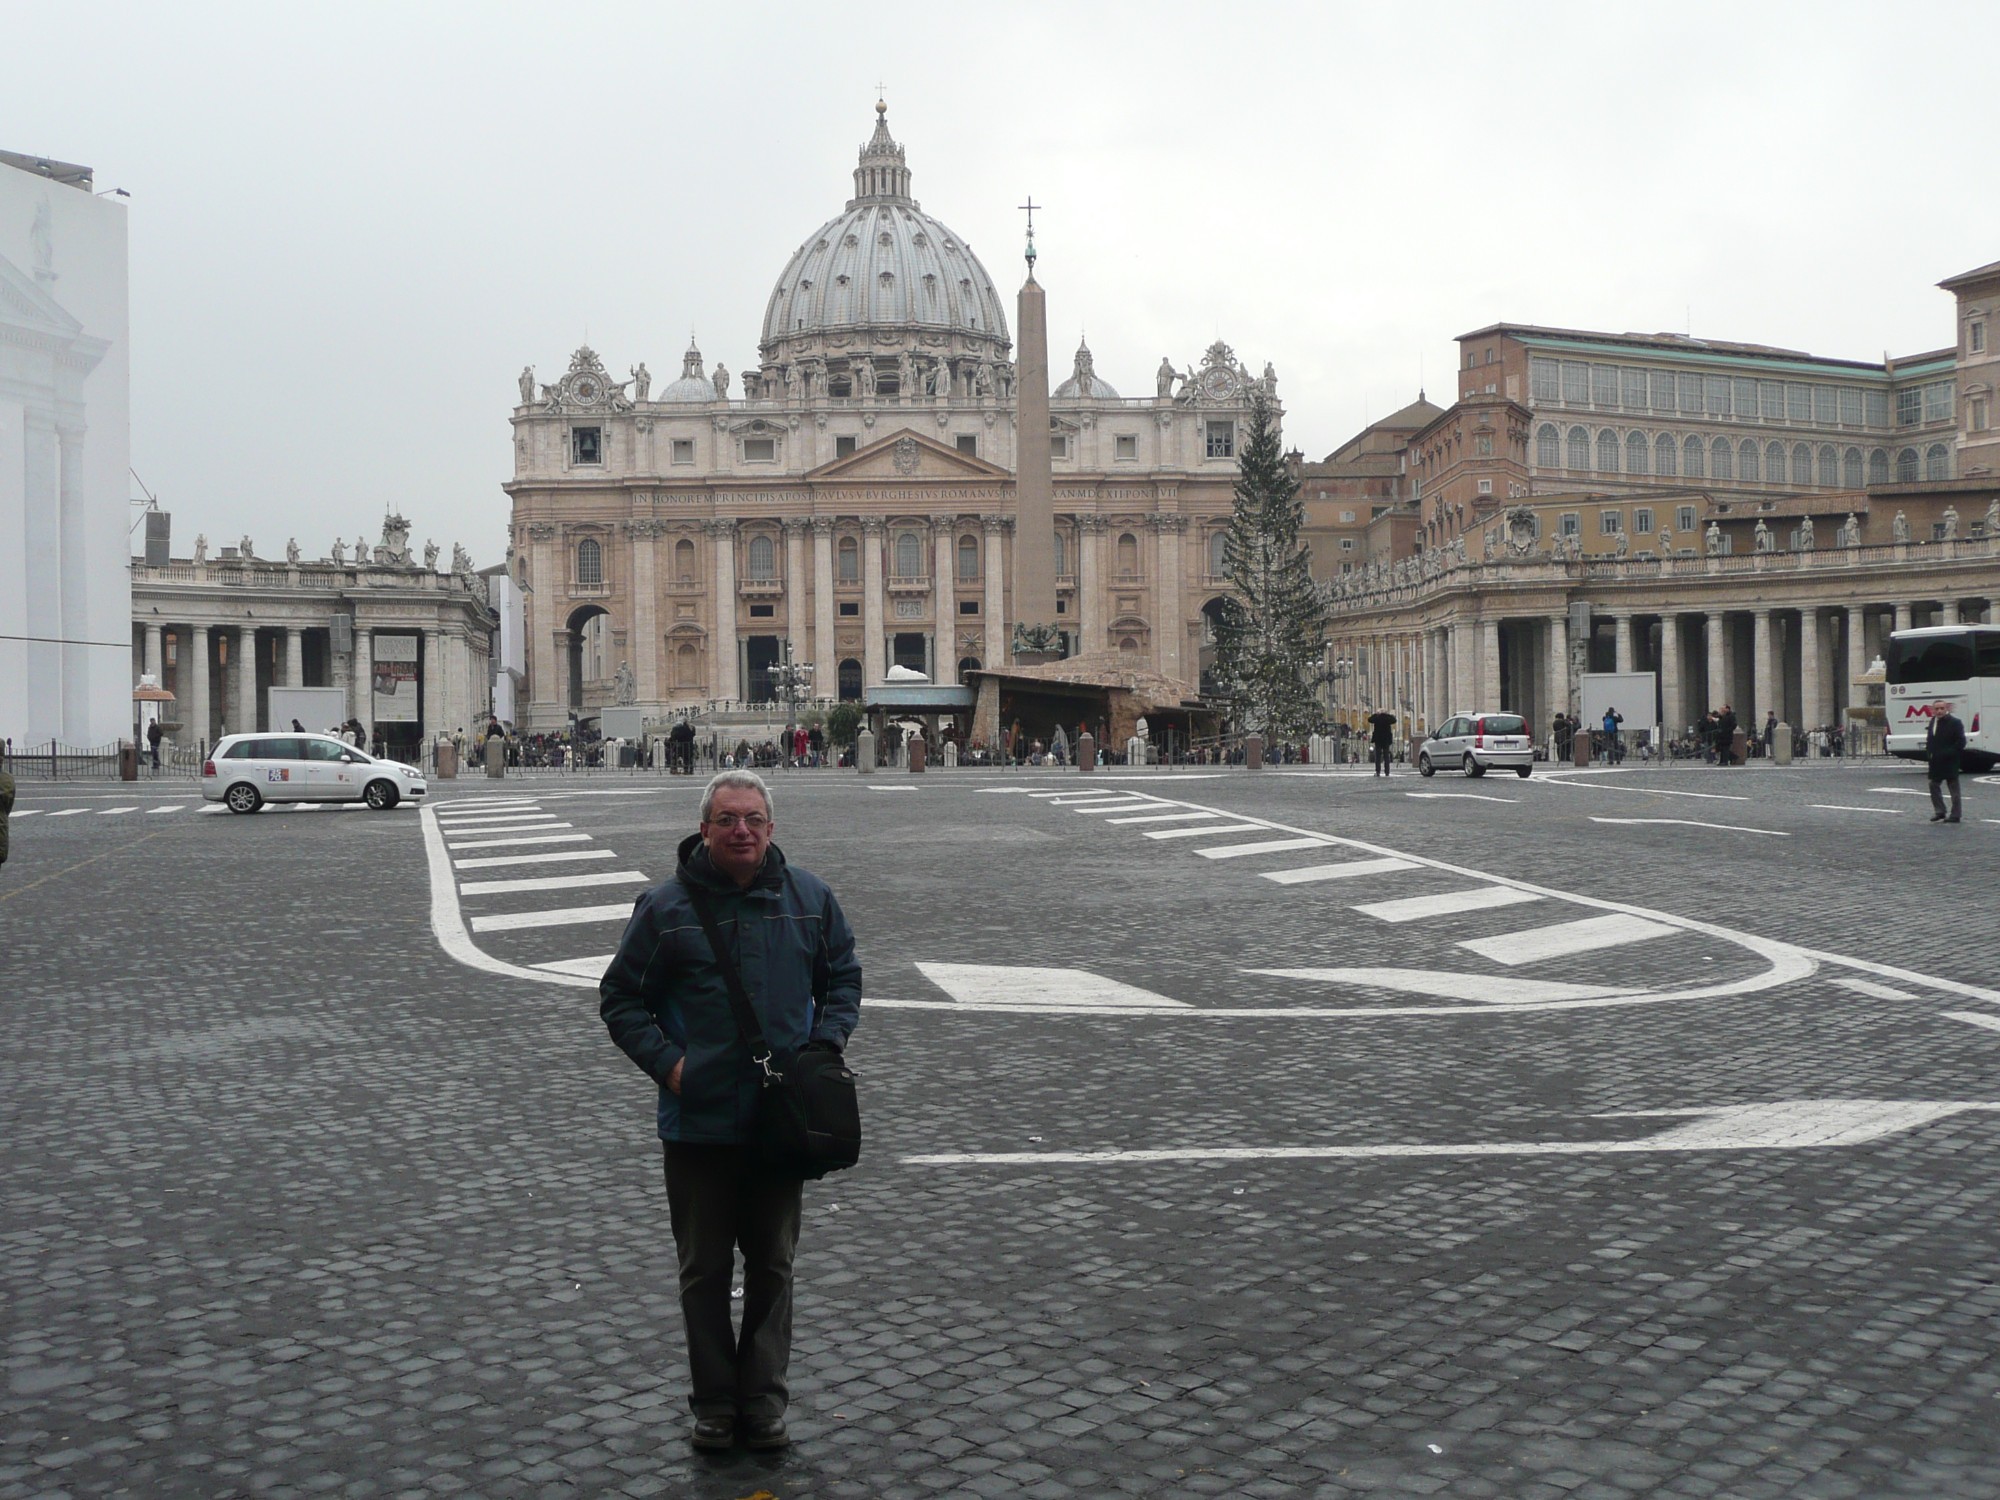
[732,974]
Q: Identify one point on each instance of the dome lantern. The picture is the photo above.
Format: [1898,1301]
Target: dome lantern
[881,176]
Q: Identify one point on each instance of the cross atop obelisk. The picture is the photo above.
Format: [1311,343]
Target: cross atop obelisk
[1031,205]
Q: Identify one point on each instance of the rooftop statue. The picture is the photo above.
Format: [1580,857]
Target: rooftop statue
[527,385]
[200,548]
[292,552]
[1899,529]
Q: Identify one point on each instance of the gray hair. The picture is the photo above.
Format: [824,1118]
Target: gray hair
[749,780]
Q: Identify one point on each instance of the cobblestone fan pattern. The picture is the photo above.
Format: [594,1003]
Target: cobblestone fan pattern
[296,1205]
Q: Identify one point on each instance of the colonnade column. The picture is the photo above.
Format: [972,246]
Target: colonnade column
[645,541]
[1904,611]
[1811,711]
[295,657]
[435,686]
[1489,665]
[1556,669]
[722,536]
[155,660]
[1760,670]
[995,528]
[1440,675]
[1718,679]
[826,663]
[1621,625]
[795,587]
[246,678]
[1090,581]
[944,634]
[546,684]
[1673,708]
[872,643]
[1170,613]
[364,681]
[1857,648]
[195,654]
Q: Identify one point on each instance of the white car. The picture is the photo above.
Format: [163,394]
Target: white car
[1476,743]
[247,770]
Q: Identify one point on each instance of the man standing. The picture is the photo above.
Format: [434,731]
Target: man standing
[1614,748]
[6,808]
[666,1002]
[1944,748]
[1725,736]
[154,734]
[1382,734]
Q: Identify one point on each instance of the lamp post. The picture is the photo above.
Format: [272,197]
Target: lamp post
[791,681]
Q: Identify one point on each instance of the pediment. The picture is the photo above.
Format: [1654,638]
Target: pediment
[27,305]
[905,455]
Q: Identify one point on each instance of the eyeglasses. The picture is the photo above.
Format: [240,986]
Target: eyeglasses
[755,822]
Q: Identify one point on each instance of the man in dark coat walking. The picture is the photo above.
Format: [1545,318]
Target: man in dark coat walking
[1381,736]
[1944,749]
[1725,736]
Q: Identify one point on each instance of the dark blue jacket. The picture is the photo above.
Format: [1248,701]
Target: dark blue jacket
[664,998]
[1944,745]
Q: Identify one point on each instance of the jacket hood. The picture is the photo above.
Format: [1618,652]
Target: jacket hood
[697,869]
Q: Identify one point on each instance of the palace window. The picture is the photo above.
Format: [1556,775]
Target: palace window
[1218,547]
[1826,405]
[1663,390]
[1771,400]
[763,611]
[1666,454]
[1635,389]
[1802,469]
[909,555]
[1128,445]
[1937,462]
[763,558]
[1690,393]
[684,561]
[760,450]
[1062,555]
[1722,457]
[1636,449]
[1850,406]
[850,609]
[1642,522]
[1774,464]
[1976,413]
[1829,466]
[586,445]
[1684,518]
[683,450]
[589,563]
[1878,408]
[1579,448]
[1746,462]
[1975,338]
[1058,445]
[1715,395]
[1937,401]
[1576,383]
[1604,385]
[1693,451]
[1610,522]
[1569,523]
[1485,486]
[1548,447]
[1850,468]
[849,560]
[1544,380]
[1607,451]
[1878,466]
[968,557]
[1128,555]
[843,447]
[1221,439]
[1906,466]
[968,606]
[968,442]
[1743,397]
[1909,407]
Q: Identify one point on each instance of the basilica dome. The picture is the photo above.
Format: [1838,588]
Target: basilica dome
[883,276]
[693,384]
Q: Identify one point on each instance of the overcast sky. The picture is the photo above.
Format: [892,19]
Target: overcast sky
[352,225]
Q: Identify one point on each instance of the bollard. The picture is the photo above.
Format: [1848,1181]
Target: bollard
[950,755]
[917,753]
[496,757]
[1739,748]
[864,752]
[1581,745]
[1253,752]
[1086,753]
[128,761]
[447,761]
[1781,745]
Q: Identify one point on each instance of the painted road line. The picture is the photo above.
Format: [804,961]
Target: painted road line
[1103,800]
[591,968]
[1445,984]
[532,838]
[480,820]
[112,812]
[448,921]
[1307,874]
[1469,796]
[1644,791]
[29,812]
[68,812]
[1897,791]
[1785,1125]
[1534,944]
[1446,904]
[1873,990]
[989,985]
[1186,817]
[1203,831]
[565,856]
[166,807]
[1692,823]
[1889,812]
[892,789]
[562,916]
[1991,1023]
[1270,846]
[512,825]
[553,883]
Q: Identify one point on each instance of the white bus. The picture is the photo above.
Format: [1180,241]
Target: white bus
[1959,664]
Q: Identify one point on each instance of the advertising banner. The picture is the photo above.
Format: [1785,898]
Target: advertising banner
[395,679]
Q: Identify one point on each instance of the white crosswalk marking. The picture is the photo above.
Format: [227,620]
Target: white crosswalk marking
[562,916]
[538,838]
[1346,871]
[1204,830]
[489,820]
[68,812]
[112,812]
[1493,989]
[167,807]
[566,856]
[552,883]
[1186,817]
[29,812]
[589,968]
[1269,846]
[1415,908]
[1565,938]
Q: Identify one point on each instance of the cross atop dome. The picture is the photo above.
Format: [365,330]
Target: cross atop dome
[882,176]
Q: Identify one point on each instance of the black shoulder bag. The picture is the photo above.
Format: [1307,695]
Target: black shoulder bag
[808,1116]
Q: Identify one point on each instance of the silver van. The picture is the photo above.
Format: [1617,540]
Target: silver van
[1475,743]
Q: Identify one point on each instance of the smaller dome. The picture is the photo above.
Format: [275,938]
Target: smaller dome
[693,385]
[1083,382]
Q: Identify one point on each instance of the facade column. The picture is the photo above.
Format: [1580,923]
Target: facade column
[1811,711]
[1489,665]
[1760,670]
[826,662]
[872,643]
[1904,613]
[1556,670]
[944,597]
[1673,708]
[431,720]
[246,679]
[155,662]
[1090,595]
[195,654]
[795,528]
[1170,625]
[1621,624]
[1718,677]
[996,528]
[547,705]
[722,537]
[645,643]
[295,657]
[1857,650]
[364,681]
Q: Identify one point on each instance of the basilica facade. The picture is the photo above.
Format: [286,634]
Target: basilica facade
[847,503]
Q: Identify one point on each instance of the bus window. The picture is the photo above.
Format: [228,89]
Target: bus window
[1986,644]
[1930,658]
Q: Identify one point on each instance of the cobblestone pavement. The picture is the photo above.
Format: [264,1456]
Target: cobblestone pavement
[298,1203]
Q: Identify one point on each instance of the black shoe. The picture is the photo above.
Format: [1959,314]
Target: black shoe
[764,1433]
[713,1434]
[1952,819]
[1937,817]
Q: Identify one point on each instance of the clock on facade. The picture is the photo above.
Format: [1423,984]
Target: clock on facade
[586,389]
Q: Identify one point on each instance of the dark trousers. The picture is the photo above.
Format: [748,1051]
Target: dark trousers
[1382,759]
[1938,783]
[721,1203]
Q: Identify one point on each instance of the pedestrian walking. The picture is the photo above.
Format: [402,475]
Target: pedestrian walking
[1381,736]
[6,810]
[666,1002]
[1725,736]
[153,736]
[1944,750]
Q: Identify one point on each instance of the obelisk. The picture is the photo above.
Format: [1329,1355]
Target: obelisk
[1036,638]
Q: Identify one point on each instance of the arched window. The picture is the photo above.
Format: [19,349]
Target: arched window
[1693,451]
[1548,447]
[1128,555]
[967,664]
[589,562]
[1062,554]
[1774,463]
[1607,451]
[1801,464]
[1906,466]
[1722,460]
[1850,468]
[1746,461]
[1937,462]
[1636,451]
[1128,643]
[1878,466]
[1218,548]
[763,558]
[1829,466]
[687,667]
[909,555]
[968,557]
[684,561]
[850,560]
[850,681]
[1579,448]
[1666,455]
